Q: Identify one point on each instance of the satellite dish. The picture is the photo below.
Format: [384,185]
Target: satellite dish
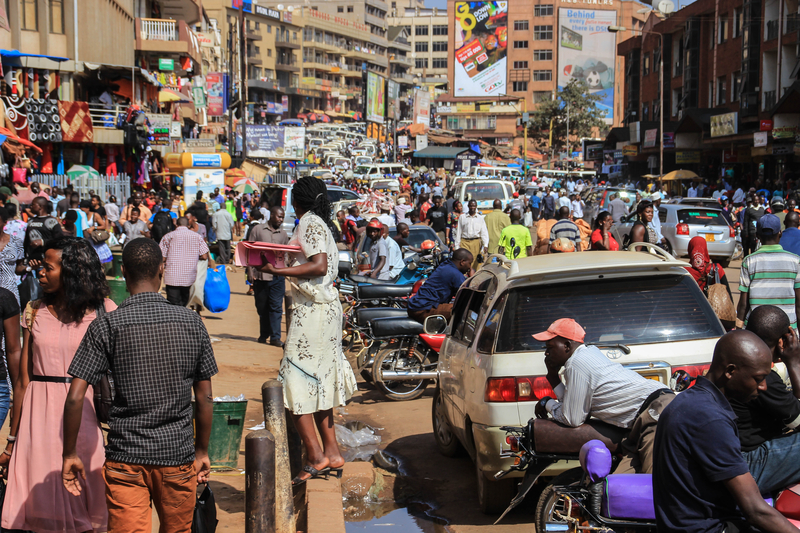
[666,6]
[280,7]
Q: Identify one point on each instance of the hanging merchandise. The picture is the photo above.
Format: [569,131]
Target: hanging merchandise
[47,160]
[44,121]
[17,114]
[76,123]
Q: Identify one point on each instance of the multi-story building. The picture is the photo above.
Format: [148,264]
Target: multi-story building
[371,13]
[731,64]
[427,31]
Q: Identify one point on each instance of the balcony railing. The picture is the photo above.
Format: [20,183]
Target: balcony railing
[287,39]
[166,35]
[160,30]
[792,22]
[772,30]
[106,116]
[286,61]
[769,99]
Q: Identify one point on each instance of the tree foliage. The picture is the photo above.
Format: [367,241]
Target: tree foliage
[585,118]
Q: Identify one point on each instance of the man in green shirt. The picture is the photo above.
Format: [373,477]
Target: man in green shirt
[496,221]
[519,234]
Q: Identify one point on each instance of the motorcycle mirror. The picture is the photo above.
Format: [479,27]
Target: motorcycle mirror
[435,325]
[680,380]
[412,265]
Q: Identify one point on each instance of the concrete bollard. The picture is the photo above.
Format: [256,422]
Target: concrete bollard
[259,466]
[275,422]
[297,451]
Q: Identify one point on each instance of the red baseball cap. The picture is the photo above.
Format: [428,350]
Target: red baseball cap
[563,327]
[375,223]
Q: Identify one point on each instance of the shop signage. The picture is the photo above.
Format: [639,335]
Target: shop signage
[206,160]
[422,142]
[783,133]
[402,142]
[287,16]
[594,152]
[683,158]
[205,39]
[159,129]
[199,96]
[465,108]
[669,139]
[445,109]
[175,130]
[765,125]
[166,64]
[760,139]
[338,20]
[200,145]
[725,124]
[782,149]
[650,137]
[630,150]
[729,156]
[251,7]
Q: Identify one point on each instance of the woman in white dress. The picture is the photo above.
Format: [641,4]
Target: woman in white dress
[316,376]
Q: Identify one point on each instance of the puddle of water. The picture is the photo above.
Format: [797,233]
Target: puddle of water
[389,518]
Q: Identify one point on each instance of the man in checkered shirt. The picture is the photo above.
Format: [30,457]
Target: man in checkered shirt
[181,249]
[158,353]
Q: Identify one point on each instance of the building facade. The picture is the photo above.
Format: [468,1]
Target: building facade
[427,34]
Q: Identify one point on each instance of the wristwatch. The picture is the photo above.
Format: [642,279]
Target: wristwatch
[543,401]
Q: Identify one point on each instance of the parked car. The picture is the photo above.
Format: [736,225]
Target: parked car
[416,236]
[700,202]
[643,310]
[681,222]
[281,194]
[598,199]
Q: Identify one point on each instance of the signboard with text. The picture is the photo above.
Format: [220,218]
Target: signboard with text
[376,98]
[273,142]
[650,137]
[481,44]
[422,107]
[725,124]
[215,87]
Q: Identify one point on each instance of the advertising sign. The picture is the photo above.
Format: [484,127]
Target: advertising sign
[215,87]
[669,139]
[376,98]
[273,142]
[682,158]
[586,52]
[159,129]
[760,139]
[725,124]
[765,125]
[783,133]
[402,142]
[481,44]
[630,150]
[166,64]
[422,107]
[650,137]
[202,179]
[422,142]
[392,99]
[594,152]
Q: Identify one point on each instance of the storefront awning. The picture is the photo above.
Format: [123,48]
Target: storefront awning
[10,54]
[440,152]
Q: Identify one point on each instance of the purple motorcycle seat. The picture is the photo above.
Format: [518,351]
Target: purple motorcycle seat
[628,496]
[595,460]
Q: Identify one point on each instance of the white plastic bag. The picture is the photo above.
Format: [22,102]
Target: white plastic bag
[353,439]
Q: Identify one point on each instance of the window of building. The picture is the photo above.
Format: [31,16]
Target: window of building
[269,28]
[471,122]
[645,112]
[541,96]
[258,25]
[543,33]
[542,75]
[56,16]
[543,11]
[520,24]
[737,22]
[721,90]
[677,96]
[519,86]
[30,12]
[439,62]
[736,86]
[394,5]
[711,94]
[349,9]
[340,9]
[520,64]
[421,62]
[712,39]
[646,65]
[520,44]
[656,109]
[440,29]
[440,46]
[421,46]
[420,30]
[542,55]
[723,29]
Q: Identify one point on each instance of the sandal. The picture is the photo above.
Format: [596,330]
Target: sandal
[315,474]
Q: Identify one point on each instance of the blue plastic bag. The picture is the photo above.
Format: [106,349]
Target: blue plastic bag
[216,291]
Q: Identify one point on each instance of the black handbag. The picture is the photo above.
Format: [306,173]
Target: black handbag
[205,513]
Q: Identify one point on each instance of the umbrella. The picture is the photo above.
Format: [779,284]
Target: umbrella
[423,168]
[82,171]
[291,122]
[245,186]
[324,118]
[312,117]
[680,175]
[233,175]
[650,176]
[172,96]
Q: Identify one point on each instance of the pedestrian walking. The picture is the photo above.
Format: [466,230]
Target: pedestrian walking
[181,250]
[515,240]
[151,437]
[11,256]
[75,293]
[472,234]
[316,376]
[223,226]
[496,222]
[269,290]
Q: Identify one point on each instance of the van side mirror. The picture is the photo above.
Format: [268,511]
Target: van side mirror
[435,325]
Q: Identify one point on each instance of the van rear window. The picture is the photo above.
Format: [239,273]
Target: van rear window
[484,191]
[633,310]
[701,217]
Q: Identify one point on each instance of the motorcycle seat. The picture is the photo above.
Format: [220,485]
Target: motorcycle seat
[395,327]
[355,278]
[551,437]
[344,269]
[368,314]
[377,292]
[628,496]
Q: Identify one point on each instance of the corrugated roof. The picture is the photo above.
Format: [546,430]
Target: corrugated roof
[441,152]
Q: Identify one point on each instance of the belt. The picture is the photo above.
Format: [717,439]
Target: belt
[52,379]
[470,238]
[650,399]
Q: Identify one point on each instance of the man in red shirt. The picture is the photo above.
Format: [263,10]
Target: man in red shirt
[424,205]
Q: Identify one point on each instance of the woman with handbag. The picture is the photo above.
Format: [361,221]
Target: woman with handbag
[97,234]
[711,279]
[75,293]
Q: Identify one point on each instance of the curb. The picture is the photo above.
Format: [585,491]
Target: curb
[324,510]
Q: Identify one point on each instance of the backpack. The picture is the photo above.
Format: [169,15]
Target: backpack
[162,224]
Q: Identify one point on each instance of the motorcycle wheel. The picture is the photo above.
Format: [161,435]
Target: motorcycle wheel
[546,505]
[446,441]
[738,252]
[392,358]
[366,373]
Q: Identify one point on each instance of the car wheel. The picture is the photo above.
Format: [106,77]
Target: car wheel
[446,441]
[394,359]
[494,496]
[724,263]
[548,502]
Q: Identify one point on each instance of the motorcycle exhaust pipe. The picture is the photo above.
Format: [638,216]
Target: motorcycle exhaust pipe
[392,375]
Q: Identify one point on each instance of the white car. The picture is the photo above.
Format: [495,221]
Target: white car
[643,310]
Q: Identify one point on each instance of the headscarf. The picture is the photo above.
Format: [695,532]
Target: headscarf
[700,261]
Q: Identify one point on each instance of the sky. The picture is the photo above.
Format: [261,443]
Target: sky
[441,4]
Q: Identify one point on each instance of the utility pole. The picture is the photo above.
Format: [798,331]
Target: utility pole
[231,133]
[568,151]
[242,81]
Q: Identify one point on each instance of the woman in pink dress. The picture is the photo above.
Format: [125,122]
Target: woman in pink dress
[74,287]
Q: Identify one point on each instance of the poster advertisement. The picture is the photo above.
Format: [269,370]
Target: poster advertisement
[273,142]
[159,129]
[392,99]
[376,97]
[422,142]
[586,52]
[422,107]
[215,87]
[725,124]
[201,179]
[481,44]
[402,142]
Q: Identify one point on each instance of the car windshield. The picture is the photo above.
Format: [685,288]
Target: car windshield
[483,191]
[382,184]
[361,169]
[701,217]
[619,311]
[629,197]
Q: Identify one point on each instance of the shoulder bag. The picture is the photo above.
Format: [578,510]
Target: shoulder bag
[720,300]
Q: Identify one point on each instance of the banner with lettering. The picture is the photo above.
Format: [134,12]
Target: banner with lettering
[481,44]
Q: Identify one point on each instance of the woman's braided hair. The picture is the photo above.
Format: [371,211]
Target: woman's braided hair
[311,194]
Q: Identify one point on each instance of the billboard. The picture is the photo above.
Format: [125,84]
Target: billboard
[586,52]
[215,87]
[392,99]
[422,107]
[273,142]
[376,98]
[726,124]
[481,44]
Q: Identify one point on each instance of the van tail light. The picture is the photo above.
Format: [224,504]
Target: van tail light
[693,370]
[731,232]
[283,198]
[519,389]
[682,229]
[513,442]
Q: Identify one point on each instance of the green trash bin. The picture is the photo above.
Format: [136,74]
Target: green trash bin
[226,433]
[119,290]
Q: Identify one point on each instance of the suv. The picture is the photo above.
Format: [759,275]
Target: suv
[643,310]
[281,194]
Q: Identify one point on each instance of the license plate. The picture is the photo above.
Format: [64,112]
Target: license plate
[709,237]
[654,378]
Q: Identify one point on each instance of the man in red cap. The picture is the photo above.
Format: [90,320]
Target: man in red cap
[378,252]
[595,386]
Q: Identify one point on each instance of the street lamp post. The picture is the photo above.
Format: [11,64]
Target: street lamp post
[617,29]
[525,129]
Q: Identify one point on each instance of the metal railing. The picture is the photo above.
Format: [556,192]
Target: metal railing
[772,30]
[118,186]
[792,22]
[287,39]
[104,116]
[159,30]
[286,61]
[769,99]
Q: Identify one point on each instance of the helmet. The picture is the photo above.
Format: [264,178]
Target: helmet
[375,223]
[428,245]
